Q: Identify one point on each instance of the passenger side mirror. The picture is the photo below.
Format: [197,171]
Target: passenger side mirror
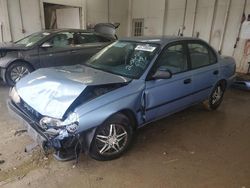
[162,73]
[47,45]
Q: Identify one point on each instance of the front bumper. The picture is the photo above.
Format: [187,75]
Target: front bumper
[64,148]
[231,80]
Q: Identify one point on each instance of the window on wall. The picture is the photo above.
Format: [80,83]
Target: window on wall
[138,26]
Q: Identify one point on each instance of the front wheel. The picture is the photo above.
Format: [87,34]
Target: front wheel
[215,98]
[112,138]
[16,71]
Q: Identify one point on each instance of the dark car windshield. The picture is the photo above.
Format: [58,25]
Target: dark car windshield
[129,59]
[32,39]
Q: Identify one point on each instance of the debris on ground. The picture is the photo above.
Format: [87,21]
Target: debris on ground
[20,132]
[21,177]
[2,161]
[36,160]
[99,178]
[45,158]
[29,148]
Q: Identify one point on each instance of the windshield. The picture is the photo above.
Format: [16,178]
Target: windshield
[129,59]
[32,39]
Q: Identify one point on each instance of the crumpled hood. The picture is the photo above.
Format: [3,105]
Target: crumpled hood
[51,91]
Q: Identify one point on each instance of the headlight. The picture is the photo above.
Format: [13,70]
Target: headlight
[14,95]
[71,122]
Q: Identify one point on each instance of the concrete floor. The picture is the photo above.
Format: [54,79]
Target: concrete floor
[193,148]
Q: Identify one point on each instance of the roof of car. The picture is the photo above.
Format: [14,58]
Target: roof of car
[62,30]
[162,40]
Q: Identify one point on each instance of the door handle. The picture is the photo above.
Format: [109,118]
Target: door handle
[73,51]
[187,81]
[216,72]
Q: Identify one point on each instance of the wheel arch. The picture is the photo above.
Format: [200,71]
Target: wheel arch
[131,115]
[5,75]
[223,83]
[89,134]
[17,61]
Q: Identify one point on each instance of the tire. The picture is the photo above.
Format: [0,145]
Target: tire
[216,97]
[112,138]
[16,71]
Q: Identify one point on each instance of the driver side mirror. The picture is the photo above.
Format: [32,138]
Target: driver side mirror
[47,45]
[162,73]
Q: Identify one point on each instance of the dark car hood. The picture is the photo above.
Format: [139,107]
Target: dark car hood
[12,47]
[52,91]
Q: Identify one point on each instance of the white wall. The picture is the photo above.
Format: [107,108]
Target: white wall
[31,24]
[153,14]
[160,17]
[97,11]
[77,3]
[103,11]
[4,21]
[119,14]
[32,13]
[93,11]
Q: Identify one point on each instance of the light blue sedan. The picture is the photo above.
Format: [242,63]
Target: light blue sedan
[96,107]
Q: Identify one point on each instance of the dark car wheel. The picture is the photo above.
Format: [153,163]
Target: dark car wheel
[16,71]
[112,138]
[216,97]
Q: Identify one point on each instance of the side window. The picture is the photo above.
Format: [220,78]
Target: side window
[63,39]
[84,38]
[103,39]
[173,58]
[201,55]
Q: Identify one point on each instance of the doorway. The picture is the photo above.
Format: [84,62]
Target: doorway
[61,16]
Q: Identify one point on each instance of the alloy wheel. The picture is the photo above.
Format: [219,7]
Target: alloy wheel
[18,72]
[111,139]
[216,96]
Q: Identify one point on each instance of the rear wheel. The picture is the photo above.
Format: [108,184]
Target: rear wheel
[112,138]
[216,97]
[16,71]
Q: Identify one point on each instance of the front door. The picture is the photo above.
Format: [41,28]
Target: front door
[60,53]
[88,44]
[165,96]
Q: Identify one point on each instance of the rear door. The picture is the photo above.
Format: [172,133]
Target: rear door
[61,51]
[88,44]
[165,96]
[204,67]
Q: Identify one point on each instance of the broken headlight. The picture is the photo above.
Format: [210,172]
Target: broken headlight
[71,122]
[14,95]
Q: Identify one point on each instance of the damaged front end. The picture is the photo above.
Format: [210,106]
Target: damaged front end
[59,135]
[50,134]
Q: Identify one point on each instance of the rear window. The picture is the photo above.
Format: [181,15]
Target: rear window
[85,38]
[201,55]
